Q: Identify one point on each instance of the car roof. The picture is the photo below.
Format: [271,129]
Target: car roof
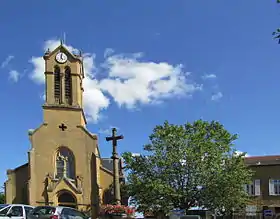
[21,205]
[5,205]
[57,207]
[61,207]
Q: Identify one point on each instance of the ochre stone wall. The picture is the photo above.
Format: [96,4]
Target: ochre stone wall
[16,187]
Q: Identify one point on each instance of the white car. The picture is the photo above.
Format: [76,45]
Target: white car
[15,211]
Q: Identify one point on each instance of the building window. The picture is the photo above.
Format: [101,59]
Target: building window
[253,189]
[57,85]
[250,189]
[68,86]
[274,187]
[65,163]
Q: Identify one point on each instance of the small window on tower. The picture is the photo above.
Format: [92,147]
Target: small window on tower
[57,87]
[68,85]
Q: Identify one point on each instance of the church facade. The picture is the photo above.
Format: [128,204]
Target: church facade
[64,163]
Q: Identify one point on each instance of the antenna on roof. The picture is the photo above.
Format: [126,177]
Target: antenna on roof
[64,38]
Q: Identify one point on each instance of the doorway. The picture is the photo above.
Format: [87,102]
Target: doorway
[66,199]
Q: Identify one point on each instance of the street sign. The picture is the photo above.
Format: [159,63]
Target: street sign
[268,213]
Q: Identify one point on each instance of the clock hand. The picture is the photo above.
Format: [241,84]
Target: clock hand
[61,56]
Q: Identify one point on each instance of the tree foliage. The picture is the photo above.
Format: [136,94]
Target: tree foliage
[188,165]
[2,198]
[276,34]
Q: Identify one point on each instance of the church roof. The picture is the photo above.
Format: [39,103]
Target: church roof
[262,160]
[107,163]
[17,168]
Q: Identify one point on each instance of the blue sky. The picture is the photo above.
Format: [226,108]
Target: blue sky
[172,43]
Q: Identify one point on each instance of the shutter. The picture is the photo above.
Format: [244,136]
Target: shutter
[271,187]
[257,187]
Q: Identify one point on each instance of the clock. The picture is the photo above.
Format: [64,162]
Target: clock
[61,57]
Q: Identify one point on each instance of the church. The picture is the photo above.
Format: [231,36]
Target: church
[64,163]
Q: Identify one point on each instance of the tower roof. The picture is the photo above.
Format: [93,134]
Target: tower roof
[63,48]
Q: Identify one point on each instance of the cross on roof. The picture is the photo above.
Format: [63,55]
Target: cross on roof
[62,127]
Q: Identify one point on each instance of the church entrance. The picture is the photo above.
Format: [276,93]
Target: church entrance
[66,199]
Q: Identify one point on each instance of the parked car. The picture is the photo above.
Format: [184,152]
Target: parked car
[3,206]
[15,211]
[190,217]
[59,212]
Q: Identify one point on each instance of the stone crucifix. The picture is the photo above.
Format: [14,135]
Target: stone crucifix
[114,138]
[64,160]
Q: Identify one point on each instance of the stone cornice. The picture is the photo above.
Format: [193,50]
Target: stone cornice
[65,107]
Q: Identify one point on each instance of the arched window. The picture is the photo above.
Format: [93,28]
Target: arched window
[68,85]
[65,163]
[57,85]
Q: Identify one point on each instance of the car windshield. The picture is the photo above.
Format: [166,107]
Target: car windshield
[4,210]
[3,206]
[43,210]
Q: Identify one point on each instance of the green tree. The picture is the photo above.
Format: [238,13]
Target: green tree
[2,198]
[2,195]
[276,34]
[188,165]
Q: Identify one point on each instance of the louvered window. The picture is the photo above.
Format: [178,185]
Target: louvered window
[57,85]
[68,86]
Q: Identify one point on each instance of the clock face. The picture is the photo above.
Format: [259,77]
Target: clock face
[61,57]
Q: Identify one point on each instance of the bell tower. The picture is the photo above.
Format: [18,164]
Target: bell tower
[64,75]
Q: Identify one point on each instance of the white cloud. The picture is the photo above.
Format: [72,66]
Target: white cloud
[7,61]
[108,52]
[94,99]
[14,75]
[37,75]
[107,131]
[241,152]
[209,76]
[129,82]
[136,154]
[217,96]
[42,96]
[104,131]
